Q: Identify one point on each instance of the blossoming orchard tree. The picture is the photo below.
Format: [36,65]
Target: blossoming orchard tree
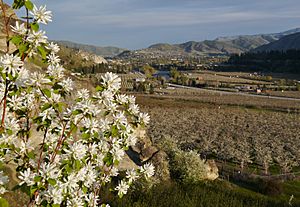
[80,140]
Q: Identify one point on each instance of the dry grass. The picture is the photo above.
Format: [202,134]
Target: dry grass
[291,94]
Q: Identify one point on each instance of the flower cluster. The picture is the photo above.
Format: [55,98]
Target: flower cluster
[66,149]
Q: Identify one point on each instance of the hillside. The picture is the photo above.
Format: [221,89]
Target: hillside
[221,45]
[102,51]
[288,42]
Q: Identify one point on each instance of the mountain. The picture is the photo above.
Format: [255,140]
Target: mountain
[102,51]
[288,42]
[219,46]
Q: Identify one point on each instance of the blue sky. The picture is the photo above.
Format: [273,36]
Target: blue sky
[139,23]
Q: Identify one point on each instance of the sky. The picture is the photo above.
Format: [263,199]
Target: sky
[136,24]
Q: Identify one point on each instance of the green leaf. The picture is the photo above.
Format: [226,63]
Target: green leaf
[76,112]
[37,178]
[86,135]
[46,106]
[114,131]
[3,202]
[29,5]
[73,127]
[55,205]
[68,168]
[84,189]
[42,52]
[57,86]
[23,48]
[77,164]
[44,203]
[33,189]
[99,88]
[52,182]
[47,92]
[16,40]
[108,159]
[3,75]
[35,26]
[18,4]
[31,155]
[60,106]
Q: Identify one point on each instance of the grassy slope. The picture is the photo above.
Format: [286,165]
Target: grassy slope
[216,194]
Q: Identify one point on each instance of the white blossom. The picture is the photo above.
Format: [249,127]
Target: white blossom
[120,118]
[83,94]
[41,15]
[25,146]
[2,190]
[27,177]
[71,182]
[37,38]
[87,107]
[91,124]
[81,138]
[134,109]
[23,78]
[92,200]
[144,118]
[147,170]
[57,71]
[19,28]
[117,153]
[54,48]
[67,84]
[53,59]
[122,99]
[12,124]
[11,64]
[47,114]
[75,202]
[114,172]
[49,171]
[55,194]
[122,188]
[15,102]
[111,81]
[131,175]
[131,140]
[38,79]
[130,99]
[78,150]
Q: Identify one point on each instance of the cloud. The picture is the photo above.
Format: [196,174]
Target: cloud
[176,17]
[119,22]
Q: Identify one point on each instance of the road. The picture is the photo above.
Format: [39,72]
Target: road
[234,93]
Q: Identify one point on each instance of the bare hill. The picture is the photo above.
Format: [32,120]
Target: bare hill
[102,51]
[288,42]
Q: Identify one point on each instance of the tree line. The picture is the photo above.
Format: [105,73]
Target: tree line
[266,61]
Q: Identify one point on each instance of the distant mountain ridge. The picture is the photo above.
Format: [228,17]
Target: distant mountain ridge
[221,45]
[102,51]
[288,42]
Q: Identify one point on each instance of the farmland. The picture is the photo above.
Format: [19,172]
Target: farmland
[194,95]
[244,131]
[257,136]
